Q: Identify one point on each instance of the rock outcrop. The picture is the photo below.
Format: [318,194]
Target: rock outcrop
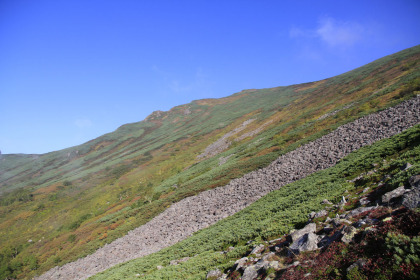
[317,237]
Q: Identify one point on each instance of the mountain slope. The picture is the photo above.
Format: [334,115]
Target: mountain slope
[372,170]
[191,214]
[125,178]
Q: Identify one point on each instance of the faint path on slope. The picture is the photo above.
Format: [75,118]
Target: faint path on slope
[193,213]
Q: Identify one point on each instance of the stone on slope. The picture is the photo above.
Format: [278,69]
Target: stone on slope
[214,274]
[414,181]
[358,211]
[251,272]
[348,233]
[386,198]
[297,234]
[411,199]
[307,242]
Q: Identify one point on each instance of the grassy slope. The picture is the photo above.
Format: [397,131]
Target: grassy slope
[125,178]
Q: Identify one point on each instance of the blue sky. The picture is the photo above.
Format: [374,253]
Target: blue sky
[73,70]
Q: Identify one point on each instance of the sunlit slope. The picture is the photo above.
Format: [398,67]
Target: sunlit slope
[73,201]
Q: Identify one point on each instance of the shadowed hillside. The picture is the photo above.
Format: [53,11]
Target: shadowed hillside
[60,206]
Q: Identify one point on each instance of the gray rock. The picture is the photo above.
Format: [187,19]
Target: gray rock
[337,222]
[251,272]
[241,263]
[358,211]
[386,198]
[318,214]
[414,181]
[297,234]
[308,242]
[407,166]
[321,213]
[348,234]
[214,274]
[271,264]
[258,249]
[325,201]
[267,257]
[274,240]
[411,199]
[360,263]
[364,201]
[296,263]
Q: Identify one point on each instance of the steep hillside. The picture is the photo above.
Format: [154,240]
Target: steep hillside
[125,178]
[255,241]
[191,214]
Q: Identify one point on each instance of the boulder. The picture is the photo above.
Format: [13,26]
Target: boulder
[297,234]
[364,201]
[251,272]
[386,198]
[258,249]
[241,263]
[268,257]
[308,242]
[214,274]
[271,264]
[358,211]
[414,181]
[348,233]
[406,166]
[411,199]
[318,214]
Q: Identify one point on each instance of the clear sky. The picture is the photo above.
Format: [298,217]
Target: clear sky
[73,70]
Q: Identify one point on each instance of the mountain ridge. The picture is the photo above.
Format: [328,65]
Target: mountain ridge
[127,177]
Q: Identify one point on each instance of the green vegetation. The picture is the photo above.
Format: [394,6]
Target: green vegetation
[404,248]
[125,178]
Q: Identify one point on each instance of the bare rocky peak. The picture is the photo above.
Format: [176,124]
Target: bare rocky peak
[155,115]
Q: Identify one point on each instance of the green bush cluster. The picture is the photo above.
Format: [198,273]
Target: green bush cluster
[404,248]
